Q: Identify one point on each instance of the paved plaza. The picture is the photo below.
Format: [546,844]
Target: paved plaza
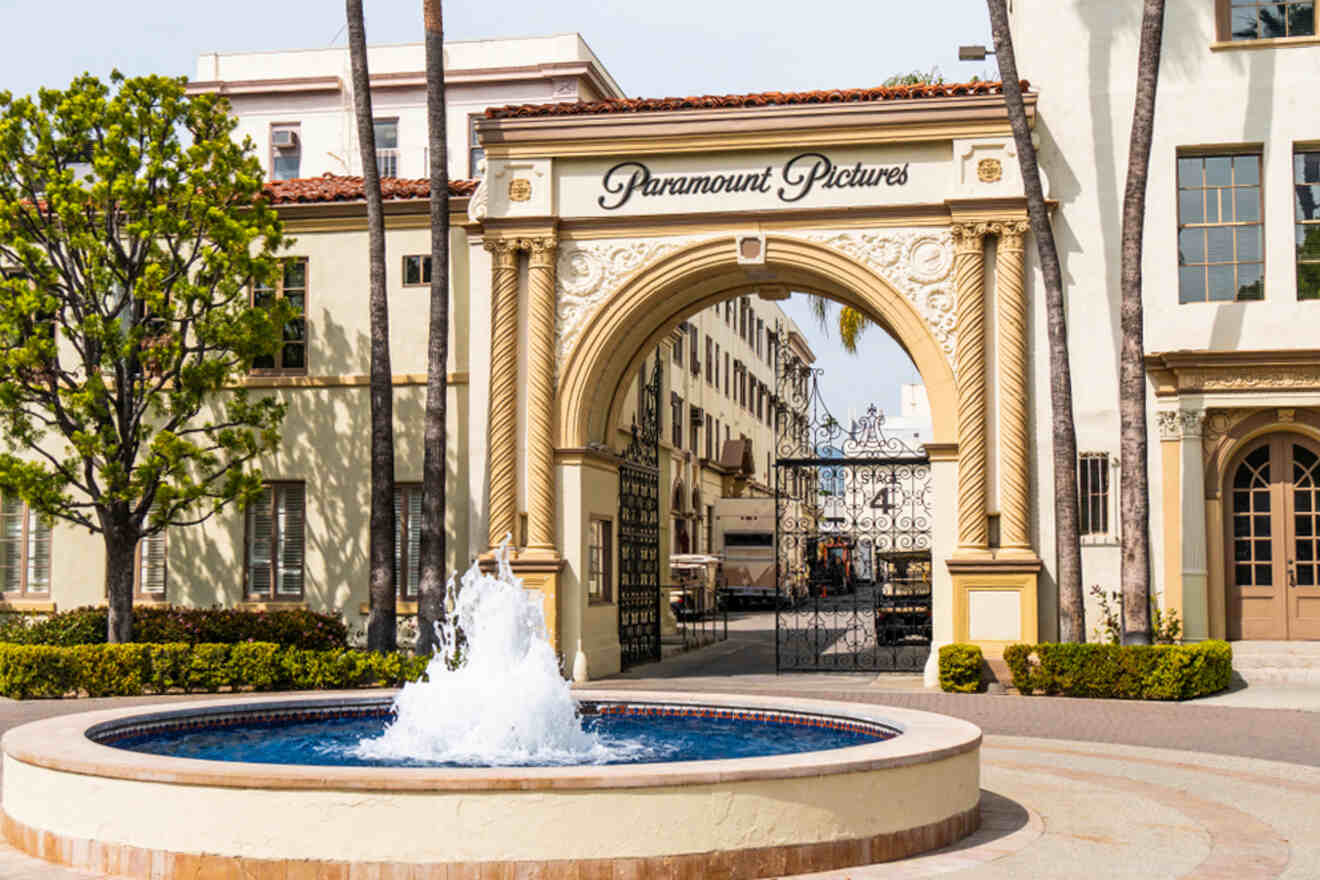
[1225,787]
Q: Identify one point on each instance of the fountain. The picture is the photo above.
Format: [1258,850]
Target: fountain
[491,763]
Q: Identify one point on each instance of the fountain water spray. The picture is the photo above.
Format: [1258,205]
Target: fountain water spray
[495,696]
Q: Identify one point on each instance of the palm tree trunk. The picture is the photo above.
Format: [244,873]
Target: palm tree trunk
[1067,544]
[382,632]
[1134,481]
[430,605]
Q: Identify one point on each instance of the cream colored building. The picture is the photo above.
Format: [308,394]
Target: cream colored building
[601,234]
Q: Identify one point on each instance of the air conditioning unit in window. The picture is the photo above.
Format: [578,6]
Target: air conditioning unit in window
[284,138]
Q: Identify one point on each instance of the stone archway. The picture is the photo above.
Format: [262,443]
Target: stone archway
[634,318]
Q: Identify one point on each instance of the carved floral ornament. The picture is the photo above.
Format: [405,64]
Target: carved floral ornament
[917,262]
[1177,424]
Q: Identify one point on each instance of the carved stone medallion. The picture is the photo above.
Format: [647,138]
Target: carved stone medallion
[989,170]
[520,189]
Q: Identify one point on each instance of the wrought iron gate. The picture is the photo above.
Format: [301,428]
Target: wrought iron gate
[852,537]
[639,528]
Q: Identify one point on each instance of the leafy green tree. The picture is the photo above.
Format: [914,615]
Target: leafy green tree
[131,231]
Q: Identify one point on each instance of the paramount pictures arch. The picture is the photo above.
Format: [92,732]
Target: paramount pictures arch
[601,233]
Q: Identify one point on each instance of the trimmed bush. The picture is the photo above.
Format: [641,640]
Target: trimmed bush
[1129,672]
[960,668]
[296,627]
[28,671]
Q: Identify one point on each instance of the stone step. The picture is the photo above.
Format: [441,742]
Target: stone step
[1246,649]
[1275,662]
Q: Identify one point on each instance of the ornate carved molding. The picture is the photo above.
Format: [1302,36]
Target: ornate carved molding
[973,529]
[589,271]
[1181,423]
[916,262]
[477,201]
[1014,473]
[1194,372]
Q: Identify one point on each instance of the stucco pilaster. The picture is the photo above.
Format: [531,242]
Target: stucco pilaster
[540,392]
[1014,441]
[501,433]
[969,279]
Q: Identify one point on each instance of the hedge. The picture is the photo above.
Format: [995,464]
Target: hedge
[1130,672]
[133,669]
[960,668]
[294,627]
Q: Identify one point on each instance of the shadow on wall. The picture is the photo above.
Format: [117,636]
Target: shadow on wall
[325,441]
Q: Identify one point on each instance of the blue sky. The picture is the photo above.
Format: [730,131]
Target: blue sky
[675,47]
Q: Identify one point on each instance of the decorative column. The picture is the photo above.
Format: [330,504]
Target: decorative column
[501,431]
[540,393]
[1014,442]
[1183,512]
[969,277]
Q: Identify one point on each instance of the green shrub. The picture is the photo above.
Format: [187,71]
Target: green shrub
[960,668]
[1133,672]
[28,671]
[152,624]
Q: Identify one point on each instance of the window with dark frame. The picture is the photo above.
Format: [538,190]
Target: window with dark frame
[692,350]
[275,542]
[475,151]
[1306,208]
[710,359]
[1093,493]
[600,559]
[1221,254]
[292,286]
[24,549]
[694,428]
[285,152]
[387,147]
[1269,19]
[676,421]
[678,347]
[710,437]
[416,270]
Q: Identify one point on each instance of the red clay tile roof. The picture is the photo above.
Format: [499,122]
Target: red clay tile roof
[759,99]
[334,188]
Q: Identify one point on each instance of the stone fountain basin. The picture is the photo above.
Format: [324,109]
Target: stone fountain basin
[71,800]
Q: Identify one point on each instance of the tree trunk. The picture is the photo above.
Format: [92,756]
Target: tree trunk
[1067,543]
[430,605]
[1134,481]
[382,631]
[120,548]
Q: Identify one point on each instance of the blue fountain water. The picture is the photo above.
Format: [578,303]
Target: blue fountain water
[494,698]
[623,739]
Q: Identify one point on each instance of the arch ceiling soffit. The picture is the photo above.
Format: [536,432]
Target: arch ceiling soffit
[901,278]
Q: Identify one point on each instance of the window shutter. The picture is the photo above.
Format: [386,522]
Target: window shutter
[11,542]
[290,500]
[414,541]
[260,529]
[38,573]
[399,580]
[152,565]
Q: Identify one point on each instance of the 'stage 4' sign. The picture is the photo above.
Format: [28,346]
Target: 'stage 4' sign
[796,180]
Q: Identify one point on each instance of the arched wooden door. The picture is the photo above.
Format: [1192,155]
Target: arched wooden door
[1272,496]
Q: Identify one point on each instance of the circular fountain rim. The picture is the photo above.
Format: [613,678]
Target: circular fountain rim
[64,743]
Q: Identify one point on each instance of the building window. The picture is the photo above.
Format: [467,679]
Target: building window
[1220,252]
[387,147]
[1093,493]
[292,286]
[600,556]
[24,549]
[692,349]
[407,539]
[717,366]
[151,567]
[710,359]
[676,419]
[275,526]
[710,438]
[1306,180]
[475,153]
[726,374]
[416,270]
[1270,19]
[285,152]
[694,428]
[678,346]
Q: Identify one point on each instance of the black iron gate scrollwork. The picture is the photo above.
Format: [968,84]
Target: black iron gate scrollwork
[852,538]
[639,527]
